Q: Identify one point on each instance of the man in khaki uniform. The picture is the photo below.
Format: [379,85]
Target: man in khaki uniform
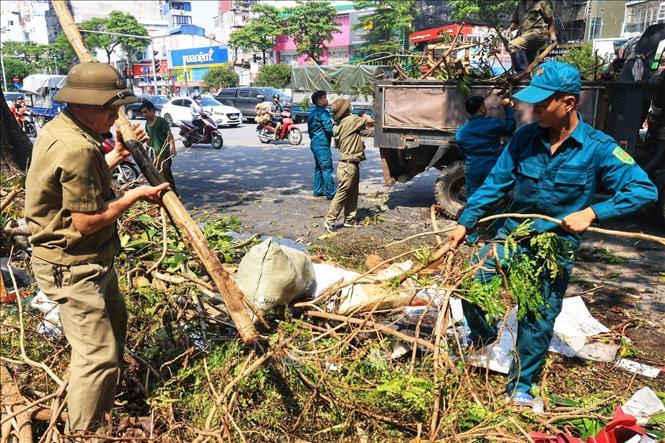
[351,152]
[534,20]
[71,212]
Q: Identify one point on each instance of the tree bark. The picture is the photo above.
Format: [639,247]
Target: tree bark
[15,146]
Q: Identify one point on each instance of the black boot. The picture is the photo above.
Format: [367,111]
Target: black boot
[519,60]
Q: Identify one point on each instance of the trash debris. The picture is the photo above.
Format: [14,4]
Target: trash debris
[7,290]
[270,275]
[643,405]
[327,275]
[572,328]
[50,326]
[638,368]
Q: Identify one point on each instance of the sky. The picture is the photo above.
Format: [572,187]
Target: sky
[204,13]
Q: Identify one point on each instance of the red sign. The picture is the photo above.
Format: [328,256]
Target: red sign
[145,68]
[427,35]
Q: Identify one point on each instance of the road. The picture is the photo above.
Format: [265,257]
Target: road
[265,182]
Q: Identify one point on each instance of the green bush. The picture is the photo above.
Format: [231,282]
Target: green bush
[277,76]
[221,77]
[585,60]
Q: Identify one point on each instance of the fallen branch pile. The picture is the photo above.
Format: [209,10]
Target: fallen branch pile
[317,376]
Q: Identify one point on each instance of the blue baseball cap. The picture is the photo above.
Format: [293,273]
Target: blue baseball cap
[551,77]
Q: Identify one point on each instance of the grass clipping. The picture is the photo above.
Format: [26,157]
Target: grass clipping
[308,379]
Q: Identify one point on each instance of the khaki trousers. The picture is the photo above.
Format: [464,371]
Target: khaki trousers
[531,42]
[346,197]
[94,320]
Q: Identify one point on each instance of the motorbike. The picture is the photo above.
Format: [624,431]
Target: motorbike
[191,133]
[289,131]
[127,172]
[29,124]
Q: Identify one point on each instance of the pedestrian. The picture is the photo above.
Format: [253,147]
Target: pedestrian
[534,21]
[71,212]
[320,128]
[351,152]
[552,167]
[479,140]
[161,140]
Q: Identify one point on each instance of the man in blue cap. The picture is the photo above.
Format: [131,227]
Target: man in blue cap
[552,166]
[479,140]
[320,128]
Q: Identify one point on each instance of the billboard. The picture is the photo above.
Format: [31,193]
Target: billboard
[199,57]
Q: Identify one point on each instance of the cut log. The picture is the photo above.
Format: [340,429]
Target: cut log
[232,296]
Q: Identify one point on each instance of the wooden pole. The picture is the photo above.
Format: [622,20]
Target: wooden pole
[233,297]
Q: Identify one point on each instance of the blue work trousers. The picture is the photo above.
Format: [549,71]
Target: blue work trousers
[533,334]
[323,184]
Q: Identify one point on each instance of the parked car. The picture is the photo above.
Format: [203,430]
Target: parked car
[134,110]
[246,98]
[177,111]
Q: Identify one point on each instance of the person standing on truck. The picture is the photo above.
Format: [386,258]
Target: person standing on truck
[552,167]
[71,211]
[534,21]
[351,152]
[320,128]
[161,140]
[479,140]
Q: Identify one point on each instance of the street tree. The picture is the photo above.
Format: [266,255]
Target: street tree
[24,58]
[221,77]
[117,21]
[388,25]
[277,75]
[311,25]
[493,13]
[260,32]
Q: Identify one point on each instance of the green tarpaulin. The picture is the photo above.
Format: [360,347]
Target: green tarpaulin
[339,79]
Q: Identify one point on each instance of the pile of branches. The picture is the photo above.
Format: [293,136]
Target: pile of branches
[314,375]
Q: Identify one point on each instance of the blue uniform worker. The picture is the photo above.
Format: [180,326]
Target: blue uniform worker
[320,128]
[552,166]
[479,140]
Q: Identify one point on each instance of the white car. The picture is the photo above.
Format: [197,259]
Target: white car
[177,110]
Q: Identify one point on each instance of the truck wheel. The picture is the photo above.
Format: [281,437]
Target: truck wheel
[450,189]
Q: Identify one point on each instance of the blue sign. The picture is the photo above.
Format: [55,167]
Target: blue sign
[199,57]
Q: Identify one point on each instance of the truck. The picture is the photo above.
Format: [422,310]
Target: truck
[416,120]
[39,90]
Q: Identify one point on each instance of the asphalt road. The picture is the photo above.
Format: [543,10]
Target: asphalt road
[269,185]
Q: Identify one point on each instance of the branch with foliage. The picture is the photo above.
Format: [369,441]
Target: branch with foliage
[221,77]
[493,13]
[277,76]
[584,59]
[117,21]
[24,58]
[260,32]
[388,26]
[311,25]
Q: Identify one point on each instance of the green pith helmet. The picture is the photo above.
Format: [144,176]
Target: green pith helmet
[339,107]
[94,83]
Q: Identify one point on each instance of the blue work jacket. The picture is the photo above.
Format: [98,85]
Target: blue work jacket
[320,126]
[479,141]
[560,184]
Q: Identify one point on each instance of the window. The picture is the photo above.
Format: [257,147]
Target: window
[244,93]
[182,20]
[186,102]
[229,92]
[596,27]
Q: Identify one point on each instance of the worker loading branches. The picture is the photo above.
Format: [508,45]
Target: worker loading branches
[534,21]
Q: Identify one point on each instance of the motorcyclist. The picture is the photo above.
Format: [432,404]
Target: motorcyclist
[196,109]
[276,112]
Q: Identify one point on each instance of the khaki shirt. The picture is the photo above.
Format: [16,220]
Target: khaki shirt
[348,139]
[68,173]
[535,18]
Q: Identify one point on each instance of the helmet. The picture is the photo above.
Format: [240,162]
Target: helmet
[275,96]
[196,97]
[93,83]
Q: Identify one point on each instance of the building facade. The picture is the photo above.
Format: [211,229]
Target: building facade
[640,14]
[22,21]
[432,14]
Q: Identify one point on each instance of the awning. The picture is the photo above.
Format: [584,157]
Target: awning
[429,34]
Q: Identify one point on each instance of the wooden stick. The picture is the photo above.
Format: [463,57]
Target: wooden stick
[9,197]
[382,328]
[636,235]
[233,298]
[11,394]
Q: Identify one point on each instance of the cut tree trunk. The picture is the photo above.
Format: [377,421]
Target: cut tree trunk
[15,146]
